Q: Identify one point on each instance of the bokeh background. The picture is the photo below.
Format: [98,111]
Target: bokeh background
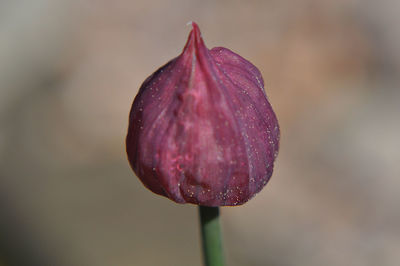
[69,71]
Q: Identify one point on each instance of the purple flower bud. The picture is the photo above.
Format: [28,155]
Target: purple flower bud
[201,129]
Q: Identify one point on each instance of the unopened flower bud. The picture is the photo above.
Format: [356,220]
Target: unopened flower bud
[201,129]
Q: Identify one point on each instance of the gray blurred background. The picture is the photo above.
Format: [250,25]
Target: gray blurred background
[69,71]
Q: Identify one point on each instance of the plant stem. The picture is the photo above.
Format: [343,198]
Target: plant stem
[211,236]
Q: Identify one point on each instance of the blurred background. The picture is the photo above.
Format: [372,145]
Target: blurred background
[69,71]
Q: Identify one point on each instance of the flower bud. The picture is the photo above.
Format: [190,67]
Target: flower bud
[201,129]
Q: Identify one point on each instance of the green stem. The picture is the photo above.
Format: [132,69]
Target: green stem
[211,236]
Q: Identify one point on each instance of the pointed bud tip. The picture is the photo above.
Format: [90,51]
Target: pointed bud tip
[195,29]
[195,40]
[193,24]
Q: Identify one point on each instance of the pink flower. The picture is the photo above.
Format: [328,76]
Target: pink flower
[201,128]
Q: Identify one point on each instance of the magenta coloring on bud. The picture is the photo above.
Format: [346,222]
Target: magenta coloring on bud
[201,129]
